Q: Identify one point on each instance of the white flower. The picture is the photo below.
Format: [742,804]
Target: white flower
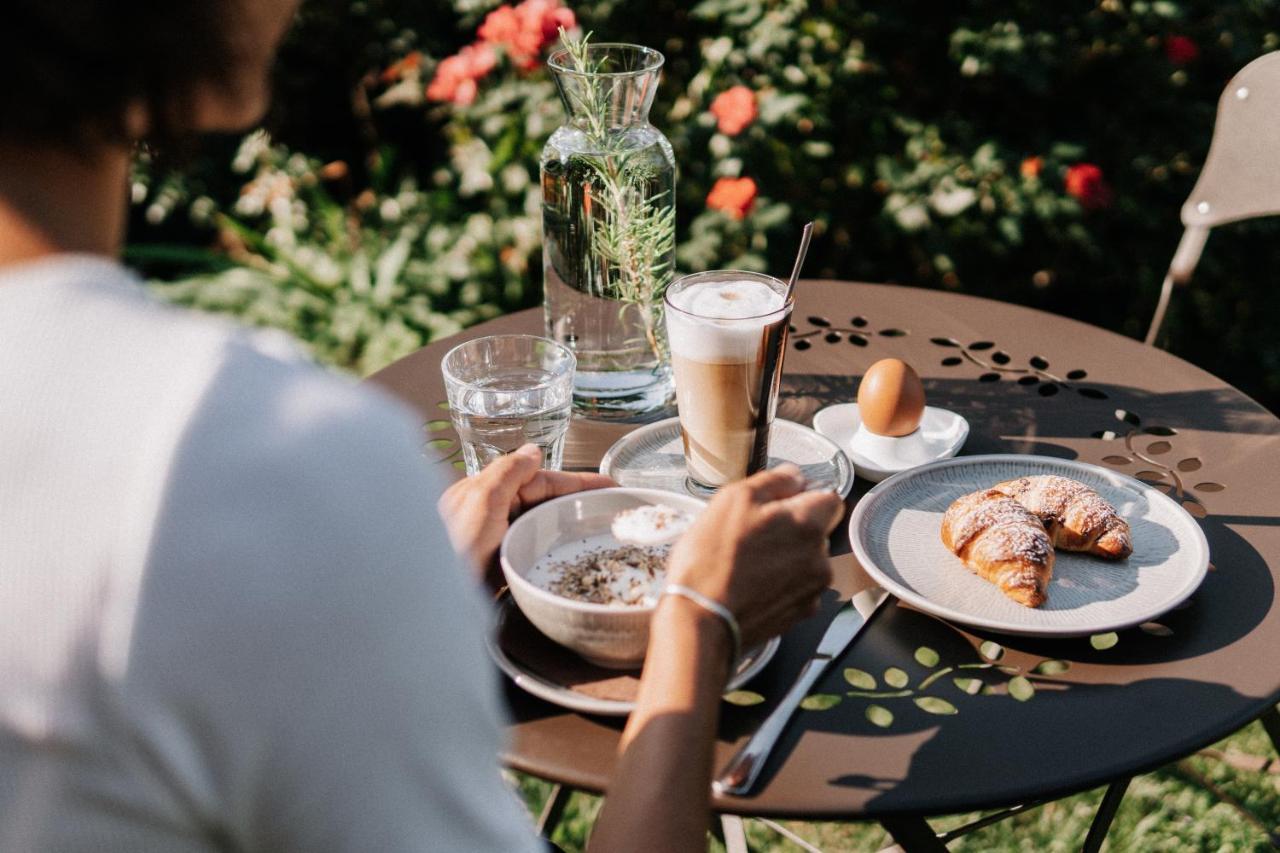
[138,192]
[970,67]
[156,213]
[910,215]
[252,149]
[720,145]
[281,211]
[514,178]
[389,210]
[718,50]
[952,201]
[472,160]
[202,210]
[281,238]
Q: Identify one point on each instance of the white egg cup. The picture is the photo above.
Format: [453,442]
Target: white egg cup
[940,435]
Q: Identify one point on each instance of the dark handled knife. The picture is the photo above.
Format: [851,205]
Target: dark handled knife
[744,768]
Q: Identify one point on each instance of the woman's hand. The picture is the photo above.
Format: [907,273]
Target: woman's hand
[477,510]
[760,549]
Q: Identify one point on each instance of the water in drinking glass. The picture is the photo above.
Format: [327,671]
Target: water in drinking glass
[506,391]
[501,414]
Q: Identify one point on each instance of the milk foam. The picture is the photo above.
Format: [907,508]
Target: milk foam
[730,316]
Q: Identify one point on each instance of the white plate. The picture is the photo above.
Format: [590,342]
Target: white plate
[563,694]
[942,434]
[652,457]
[894,532]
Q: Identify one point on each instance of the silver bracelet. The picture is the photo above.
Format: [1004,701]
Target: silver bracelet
[710,604]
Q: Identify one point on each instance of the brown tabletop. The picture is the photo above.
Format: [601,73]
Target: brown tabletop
[1028,382]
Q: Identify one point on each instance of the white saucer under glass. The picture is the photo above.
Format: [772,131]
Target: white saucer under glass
[652,457]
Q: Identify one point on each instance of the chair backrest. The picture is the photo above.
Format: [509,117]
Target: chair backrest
[1241,176]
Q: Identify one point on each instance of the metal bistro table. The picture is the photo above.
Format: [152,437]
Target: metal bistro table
[1099,709]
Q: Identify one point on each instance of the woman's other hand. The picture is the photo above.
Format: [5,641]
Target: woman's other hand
[478,509]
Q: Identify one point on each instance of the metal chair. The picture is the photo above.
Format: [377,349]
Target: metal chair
[1241,175]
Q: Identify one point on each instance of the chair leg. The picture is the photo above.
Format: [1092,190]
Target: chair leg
[1185,258]
[1166,291]
[733,834]
[553,810]
[1105,815]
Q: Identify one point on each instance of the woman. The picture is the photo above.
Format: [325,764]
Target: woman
[228,615]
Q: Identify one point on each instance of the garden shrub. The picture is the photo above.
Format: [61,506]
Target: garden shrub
[1031,152]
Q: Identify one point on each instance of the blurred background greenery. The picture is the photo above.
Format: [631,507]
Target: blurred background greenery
[1036,153]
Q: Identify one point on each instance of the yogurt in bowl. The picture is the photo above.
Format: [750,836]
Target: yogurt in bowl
[583,587]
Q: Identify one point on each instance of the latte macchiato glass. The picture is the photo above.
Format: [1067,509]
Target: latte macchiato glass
[728,333]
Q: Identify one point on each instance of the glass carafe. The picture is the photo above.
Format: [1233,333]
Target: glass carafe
[608,220]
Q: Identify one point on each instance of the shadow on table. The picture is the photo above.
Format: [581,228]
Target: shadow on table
[986,757]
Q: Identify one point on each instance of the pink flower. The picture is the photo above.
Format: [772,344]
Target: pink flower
[733,196]
[456,76]
[734,110]
[1085,183]
[523,31]
[1181,50]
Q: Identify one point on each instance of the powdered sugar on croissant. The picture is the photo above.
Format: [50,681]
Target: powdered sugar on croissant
[1000,540]
[1077,517]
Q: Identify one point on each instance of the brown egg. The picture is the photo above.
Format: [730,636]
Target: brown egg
[891,398]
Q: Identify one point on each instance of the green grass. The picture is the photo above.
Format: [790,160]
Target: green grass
[1182,806]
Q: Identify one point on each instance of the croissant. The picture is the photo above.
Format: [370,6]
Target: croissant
[999,540]
[1077,517]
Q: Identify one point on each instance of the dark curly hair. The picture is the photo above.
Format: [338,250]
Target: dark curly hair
[72,67]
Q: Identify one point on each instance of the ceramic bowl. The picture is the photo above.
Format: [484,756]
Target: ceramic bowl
[610,636]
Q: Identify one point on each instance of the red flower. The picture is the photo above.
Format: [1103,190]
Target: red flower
[524,30]
[734,110]
[1084,183]
[1031,167]
[456,76]
[1181,50]
[501,26]
[732,196]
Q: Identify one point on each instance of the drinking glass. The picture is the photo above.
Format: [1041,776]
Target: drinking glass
[506,391]
[727,372]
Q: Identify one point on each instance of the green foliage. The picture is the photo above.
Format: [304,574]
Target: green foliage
[930,142]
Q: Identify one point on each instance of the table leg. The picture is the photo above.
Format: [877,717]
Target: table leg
[1106,813]
[913,834]
[553,810]
[1271,722]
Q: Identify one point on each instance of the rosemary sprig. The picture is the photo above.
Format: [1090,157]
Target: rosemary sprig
[633,234]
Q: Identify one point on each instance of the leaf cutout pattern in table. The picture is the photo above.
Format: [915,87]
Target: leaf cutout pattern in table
[859,679]
[820,701]
[1102,642]
[1020,688]
[743,698]
[935,705]
[926,656]
[1051,667]
[878,715]
[895,677]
